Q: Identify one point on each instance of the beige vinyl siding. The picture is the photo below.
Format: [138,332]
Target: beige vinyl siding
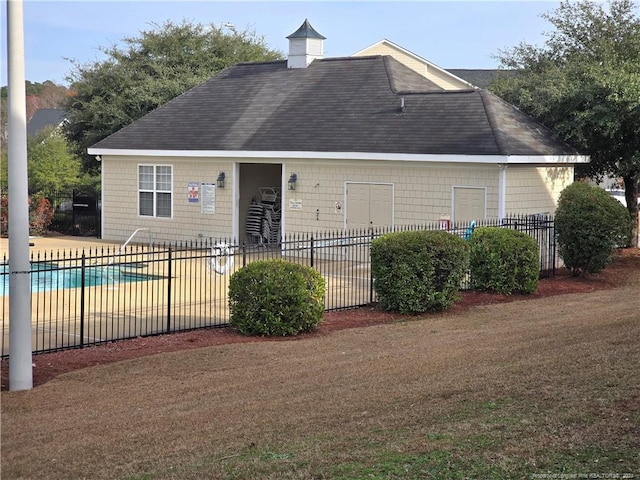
[422,192]
[120,200]
[533,189]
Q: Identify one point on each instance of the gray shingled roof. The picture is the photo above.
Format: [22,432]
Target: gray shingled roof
[45,117]
[336,105]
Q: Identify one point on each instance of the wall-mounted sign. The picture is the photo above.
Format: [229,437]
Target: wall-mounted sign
[193,194]
[208,204]
[295,204]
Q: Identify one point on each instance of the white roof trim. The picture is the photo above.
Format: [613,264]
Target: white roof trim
[406,157]
[417,57]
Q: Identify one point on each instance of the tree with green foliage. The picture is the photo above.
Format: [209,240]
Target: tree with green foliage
[39,95]
[590,224]
[584,84]
[4,118]
[52,166]
[47,89]
[4,169]
[151,69]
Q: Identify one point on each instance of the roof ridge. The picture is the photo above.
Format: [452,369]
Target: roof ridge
[264,62]
[390,79]
[540,127]
[498,135]
[333,59]
[403,80]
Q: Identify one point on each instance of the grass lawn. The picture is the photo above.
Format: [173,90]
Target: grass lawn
[544,388]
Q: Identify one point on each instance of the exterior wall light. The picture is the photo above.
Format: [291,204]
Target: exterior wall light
[293,179]
[220,181]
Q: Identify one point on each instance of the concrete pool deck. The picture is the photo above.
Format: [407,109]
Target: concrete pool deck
[58,243]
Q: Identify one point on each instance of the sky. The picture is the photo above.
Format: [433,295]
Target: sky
[451,34]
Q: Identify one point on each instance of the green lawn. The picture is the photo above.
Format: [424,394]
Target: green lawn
[528,389]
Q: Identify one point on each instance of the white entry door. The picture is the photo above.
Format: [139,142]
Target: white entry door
[369,205]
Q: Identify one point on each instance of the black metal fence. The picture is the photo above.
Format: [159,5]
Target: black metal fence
[88,297]
[76,212]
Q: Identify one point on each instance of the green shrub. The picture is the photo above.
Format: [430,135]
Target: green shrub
[503,260]
[589,224]
[418,271]
[276,298]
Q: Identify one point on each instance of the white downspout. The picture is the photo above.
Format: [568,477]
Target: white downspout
[502,191]
[235,205]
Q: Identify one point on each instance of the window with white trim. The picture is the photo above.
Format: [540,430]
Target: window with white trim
[155,190]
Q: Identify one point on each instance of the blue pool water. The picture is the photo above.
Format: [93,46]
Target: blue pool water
[49,276]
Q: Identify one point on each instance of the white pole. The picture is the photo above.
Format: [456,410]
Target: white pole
[20,366]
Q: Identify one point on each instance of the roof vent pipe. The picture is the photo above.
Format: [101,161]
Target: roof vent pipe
[402,108]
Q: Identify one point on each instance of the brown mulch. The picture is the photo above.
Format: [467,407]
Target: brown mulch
[50,365]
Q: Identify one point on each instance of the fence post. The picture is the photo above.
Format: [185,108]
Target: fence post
[551,233]
[312,250]
[371,269]
[244,254]
[82,293]
[169,291]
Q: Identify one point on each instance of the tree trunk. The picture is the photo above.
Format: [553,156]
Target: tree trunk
[631,195]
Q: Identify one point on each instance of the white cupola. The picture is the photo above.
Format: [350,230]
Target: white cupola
[305,45]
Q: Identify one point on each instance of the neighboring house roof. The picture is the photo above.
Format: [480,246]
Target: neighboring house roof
[440,76]
[344,105]
[46,117]
[481,78]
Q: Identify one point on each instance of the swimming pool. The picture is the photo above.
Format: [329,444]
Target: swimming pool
[47,276]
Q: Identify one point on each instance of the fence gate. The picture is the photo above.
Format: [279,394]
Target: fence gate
[86,214]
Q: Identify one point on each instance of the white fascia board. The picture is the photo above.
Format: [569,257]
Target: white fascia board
[404,157]
[546,159]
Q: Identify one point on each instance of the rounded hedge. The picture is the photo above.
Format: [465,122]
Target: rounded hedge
[503,260]
[276,298]
[418,271]
[589,225]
